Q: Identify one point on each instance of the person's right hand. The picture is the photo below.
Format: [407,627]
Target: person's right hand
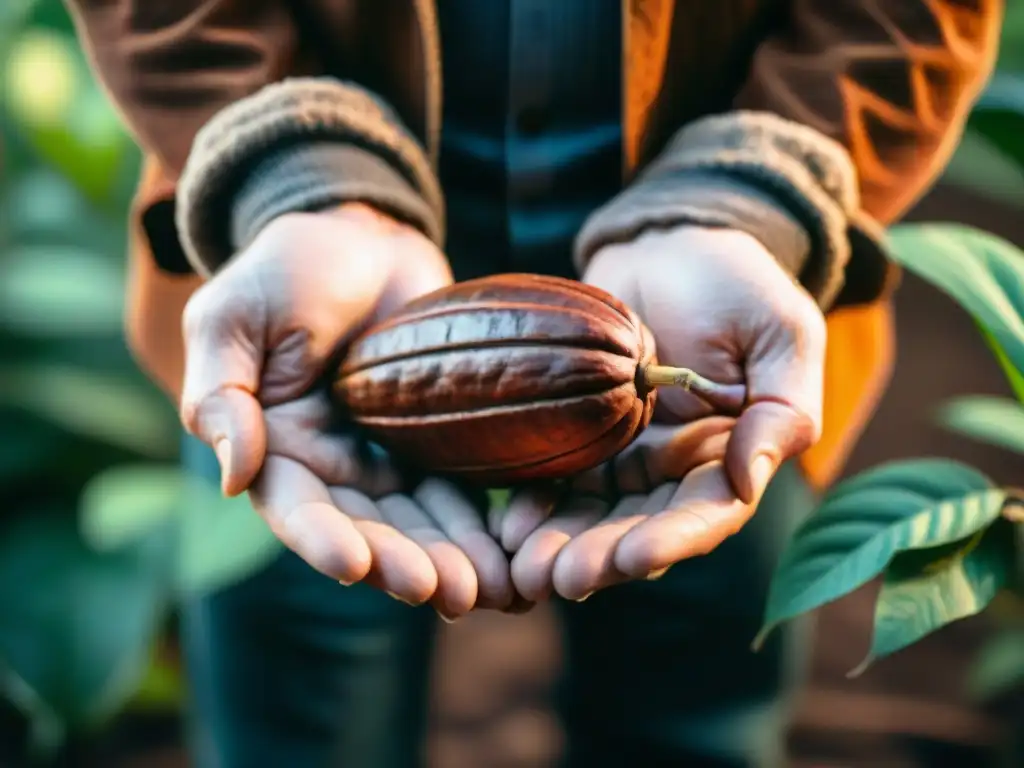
[260,337]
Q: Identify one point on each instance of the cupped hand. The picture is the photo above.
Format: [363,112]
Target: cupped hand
[261,337]
[718,303]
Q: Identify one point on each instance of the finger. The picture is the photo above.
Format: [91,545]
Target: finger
[527,509]
[534,563]
[587,562]
[457,585]
[661,454]
[785,373]
[700,515]
[462,523]
[302,431]
[400,567]
[224,355]
[764,437]
[299,510]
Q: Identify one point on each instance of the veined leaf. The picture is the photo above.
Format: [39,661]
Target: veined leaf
[869,519]
[980,271]
[994,420]
[924,590]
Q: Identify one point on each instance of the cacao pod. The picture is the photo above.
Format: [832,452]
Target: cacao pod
[509,378]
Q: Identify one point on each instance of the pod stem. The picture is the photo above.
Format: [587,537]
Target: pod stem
[727,399]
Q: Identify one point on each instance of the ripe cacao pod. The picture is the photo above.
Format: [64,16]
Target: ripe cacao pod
[510,378]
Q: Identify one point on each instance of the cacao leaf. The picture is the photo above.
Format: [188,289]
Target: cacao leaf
[924,590]
[995,420]
[869,519]
[980,271]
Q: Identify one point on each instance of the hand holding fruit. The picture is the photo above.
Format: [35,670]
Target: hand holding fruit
[717,302]
[261,337]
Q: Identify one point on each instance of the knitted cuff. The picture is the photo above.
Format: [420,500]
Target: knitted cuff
[790,186]
[268,154]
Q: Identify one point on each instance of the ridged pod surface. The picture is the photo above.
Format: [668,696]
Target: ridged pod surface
[503,379]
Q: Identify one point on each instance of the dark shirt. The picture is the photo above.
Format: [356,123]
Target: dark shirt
[532,127]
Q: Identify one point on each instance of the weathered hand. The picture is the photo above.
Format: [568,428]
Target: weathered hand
[260,340]
[716,302]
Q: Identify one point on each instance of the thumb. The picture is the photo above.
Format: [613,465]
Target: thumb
[224,355]
[785,378]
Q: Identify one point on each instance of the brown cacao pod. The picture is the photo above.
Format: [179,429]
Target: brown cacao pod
[506,379]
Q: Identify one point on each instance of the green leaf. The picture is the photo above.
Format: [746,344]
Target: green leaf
[126,502]
[980,167]
[869,519]
[76,625]
[995,420]
[499,497]
[1013,376]
[222,539]
[924,590]
[46,290]
[217,541]
[980,271]
[65,117]
[103,408]
[1011,48]
[999,668]
[998,115]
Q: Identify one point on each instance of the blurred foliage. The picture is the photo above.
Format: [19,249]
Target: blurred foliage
[102,533]
[945,539]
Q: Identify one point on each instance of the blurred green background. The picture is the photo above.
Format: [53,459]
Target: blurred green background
[101,534]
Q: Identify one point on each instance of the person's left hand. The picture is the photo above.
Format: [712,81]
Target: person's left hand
[718,303]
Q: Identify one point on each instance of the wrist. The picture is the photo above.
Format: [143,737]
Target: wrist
[684,240]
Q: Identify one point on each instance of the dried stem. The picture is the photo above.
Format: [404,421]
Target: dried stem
[728,399]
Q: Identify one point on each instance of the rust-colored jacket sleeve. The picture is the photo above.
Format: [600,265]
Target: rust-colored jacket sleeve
[893,81]
[169,66]
[848,113]
[232,101]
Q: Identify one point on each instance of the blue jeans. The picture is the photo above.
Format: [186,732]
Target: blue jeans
[290,670]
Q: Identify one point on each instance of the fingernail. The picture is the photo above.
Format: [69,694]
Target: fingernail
[447,619]
[761,472]
[223,451]
[585,597]
[345,583]
[399,599]
[655,575]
